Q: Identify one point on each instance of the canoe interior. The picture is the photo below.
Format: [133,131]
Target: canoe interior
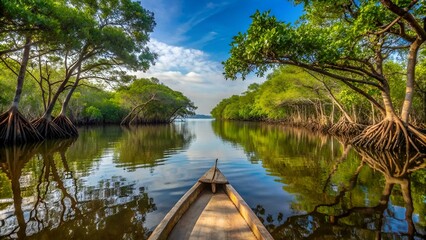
[200,214]
[212,216]
[163,229]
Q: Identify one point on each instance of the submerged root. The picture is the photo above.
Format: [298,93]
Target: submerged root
[346,128]
[391,135]
[65,123]
[49,129]
[15,128]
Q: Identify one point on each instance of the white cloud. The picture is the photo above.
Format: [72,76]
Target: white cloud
[191,72]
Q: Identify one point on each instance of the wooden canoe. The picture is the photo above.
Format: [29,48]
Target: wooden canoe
[219,213]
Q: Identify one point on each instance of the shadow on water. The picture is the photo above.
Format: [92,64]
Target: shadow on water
[339,192]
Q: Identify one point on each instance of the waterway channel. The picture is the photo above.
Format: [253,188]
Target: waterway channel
[118,183]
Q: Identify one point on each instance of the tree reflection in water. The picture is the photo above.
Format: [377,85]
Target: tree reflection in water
[341,218]
[150,145]
[50,203]
[12,160]
[338,193]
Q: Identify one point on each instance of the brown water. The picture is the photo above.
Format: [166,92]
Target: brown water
[115,183]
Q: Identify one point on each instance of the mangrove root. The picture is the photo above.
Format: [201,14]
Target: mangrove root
[49,129]
[14,128]
[391,135]
[311,125]
[346,128]
[65,123]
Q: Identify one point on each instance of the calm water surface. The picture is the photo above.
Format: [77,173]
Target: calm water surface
[117,183]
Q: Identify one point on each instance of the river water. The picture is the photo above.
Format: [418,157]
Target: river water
[118,183]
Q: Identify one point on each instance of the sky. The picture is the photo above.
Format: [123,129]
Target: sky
[192,39]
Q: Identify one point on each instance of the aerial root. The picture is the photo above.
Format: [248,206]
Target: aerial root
[312,125]
[15,128]
[346,129]
[49,129]
[65,123]
[391,135]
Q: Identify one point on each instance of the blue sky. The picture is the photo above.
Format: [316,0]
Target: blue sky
[192,39]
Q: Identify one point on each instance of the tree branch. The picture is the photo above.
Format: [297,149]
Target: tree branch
[420,31]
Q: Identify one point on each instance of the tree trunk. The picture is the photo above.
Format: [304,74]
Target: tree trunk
[409,88]
[127,120]
[391,133]
[22,71]
[69,95]
[333,98]
[62,121]
[172,116]
[14,127]
[45,125]
[387,102]
[373,113]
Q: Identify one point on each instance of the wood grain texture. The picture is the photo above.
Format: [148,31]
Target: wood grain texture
[213,216]
[174,215]
[218,178]
[201,214]
[252,220]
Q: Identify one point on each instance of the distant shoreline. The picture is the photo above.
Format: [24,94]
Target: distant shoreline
[199,116]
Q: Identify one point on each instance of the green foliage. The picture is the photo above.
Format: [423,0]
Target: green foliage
[93,105]
[86,40]
[421,83]
[285,87]
[90,104]
[93,113]
[353,42]
[120,32]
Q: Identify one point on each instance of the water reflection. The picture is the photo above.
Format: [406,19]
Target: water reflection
[339,193]
[343,216]
[50,190]
[146,146]
[271,141]
[13,159]
[119,183]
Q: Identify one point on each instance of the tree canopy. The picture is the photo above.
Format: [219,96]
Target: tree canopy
[349,41]
[63,44]
[149,101]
